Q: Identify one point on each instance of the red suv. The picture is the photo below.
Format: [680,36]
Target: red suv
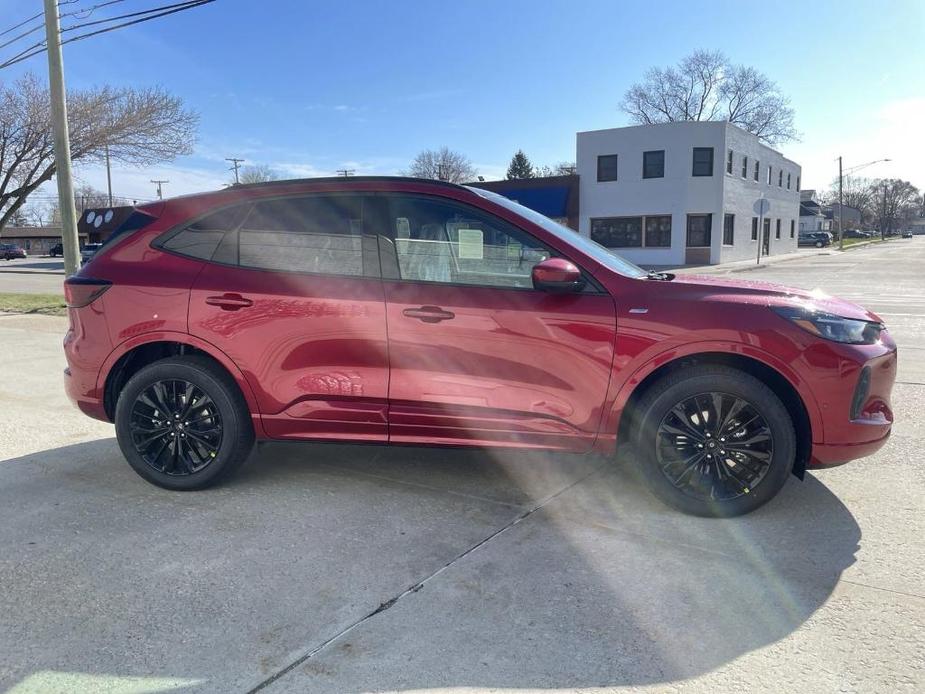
[408,311]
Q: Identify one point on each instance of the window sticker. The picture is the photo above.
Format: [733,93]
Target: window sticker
[471,245]
[402,228]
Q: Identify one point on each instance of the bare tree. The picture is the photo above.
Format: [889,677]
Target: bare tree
[894,201]
[707,86]
[259,173]
[563,168]
[443,165]
[857,192]
[139,126]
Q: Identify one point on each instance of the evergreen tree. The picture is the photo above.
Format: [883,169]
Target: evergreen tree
[520,166]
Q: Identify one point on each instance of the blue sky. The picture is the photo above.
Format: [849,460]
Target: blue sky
[310,87]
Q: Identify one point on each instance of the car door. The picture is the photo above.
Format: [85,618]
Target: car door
[292,294]
[477,355]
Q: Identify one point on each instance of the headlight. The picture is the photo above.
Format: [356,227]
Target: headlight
[831,327]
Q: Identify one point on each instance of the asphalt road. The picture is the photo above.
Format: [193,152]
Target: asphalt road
[34,275]
[350,568]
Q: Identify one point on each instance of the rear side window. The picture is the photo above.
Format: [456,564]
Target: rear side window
[316,234]
[201,238]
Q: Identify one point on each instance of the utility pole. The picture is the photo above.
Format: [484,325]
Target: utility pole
[158,183]
[108,177]
[841,210]
[235,163]
[345,172]
[66,206]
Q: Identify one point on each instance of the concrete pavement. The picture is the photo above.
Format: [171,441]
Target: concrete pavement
[327,568]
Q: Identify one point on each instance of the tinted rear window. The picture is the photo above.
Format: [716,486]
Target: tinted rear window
[201,238]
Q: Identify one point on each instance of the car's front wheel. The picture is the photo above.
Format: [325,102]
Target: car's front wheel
[714,441]
[819,244]
[182,423]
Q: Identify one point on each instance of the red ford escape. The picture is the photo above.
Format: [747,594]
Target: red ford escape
[416,312]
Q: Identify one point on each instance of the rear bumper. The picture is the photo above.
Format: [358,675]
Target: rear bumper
[77,394]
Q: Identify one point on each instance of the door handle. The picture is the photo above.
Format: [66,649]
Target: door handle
[229,302]
[429,314]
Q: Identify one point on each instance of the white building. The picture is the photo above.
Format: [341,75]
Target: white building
[686,193]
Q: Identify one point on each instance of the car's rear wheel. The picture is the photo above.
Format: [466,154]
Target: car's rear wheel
[182,424]
[714,441]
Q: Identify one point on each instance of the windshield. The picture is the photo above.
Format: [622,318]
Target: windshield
[601,254]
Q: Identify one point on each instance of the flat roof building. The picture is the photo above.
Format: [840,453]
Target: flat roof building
[686,193]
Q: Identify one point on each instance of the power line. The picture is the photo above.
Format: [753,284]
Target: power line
[159,183]
[41,24]
[161,11]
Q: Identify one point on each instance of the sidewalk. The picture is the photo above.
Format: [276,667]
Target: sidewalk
[751,264]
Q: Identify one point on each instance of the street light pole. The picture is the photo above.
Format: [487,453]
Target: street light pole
[66,206]
[841,210]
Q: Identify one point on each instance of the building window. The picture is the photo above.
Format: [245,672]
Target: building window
[617,232]
[777,232]
[607,167]
[780,178]
[729,230]
[703,161]
[757,166]
[788,181]
[744,167]
[699,227]
[770,168]
[653,164]
[729,162]
[754,228]
[791,228]
[798,184]
[658,231]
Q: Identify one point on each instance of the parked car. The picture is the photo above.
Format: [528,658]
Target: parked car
[10,251]
[406,311]
[56,251]
[88,251]
[856,234]
[907,235]
[819,239]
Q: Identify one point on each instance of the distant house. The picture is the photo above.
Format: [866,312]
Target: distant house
[553,196]
[851,216]
[35,240]
[812,214]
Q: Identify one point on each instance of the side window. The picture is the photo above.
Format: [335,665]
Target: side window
[201,238]
[439,241]
[317,234]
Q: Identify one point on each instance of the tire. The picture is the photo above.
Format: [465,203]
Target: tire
[819,244]
[734,475]
[220,434]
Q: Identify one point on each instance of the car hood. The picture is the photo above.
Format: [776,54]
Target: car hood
[771,294]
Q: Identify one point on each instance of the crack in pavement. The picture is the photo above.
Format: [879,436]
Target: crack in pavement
[388,604]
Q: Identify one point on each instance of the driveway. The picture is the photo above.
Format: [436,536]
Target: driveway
[330,568]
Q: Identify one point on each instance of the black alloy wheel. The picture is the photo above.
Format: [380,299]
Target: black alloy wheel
[713,440]
[182,423]
[714,446]
[176,428]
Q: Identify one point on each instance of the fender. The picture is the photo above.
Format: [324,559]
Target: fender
[184,338]
[622,390]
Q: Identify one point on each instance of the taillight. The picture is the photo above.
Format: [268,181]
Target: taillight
[83,291]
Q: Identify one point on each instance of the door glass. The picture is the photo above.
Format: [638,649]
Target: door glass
[317,234]
[438,241]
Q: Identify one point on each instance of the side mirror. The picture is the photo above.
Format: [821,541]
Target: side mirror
[557,275]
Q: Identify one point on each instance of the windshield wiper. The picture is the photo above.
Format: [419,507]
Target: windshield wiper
[661,276]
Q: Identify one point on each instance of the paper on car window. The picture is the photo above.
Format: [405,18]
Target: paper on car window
[471,245]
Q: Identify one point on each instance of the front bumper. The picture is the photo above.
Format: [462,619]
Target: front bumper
[858,416]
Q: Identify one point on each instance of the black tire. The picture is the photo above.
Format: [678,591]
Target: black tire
[206,457]
[760,454]
[819,244]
